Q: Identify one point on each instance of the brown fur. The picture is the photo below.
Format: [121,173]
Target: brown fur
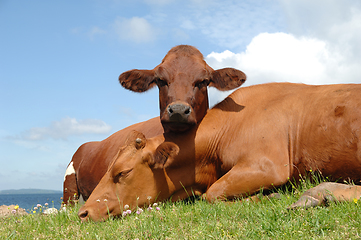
[274,133]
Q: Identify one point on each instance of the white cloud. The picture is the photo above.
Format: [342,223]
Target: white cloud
[95,31]
[333,21]
[281,57]
[134,29]
[67,127]
[278,57]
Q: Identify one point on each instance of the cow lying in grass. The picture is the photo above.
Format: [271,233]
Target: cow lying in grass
[259,137]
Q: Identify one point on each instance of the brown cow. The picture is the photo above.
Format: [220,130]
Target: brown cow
[182,79]
[257,138]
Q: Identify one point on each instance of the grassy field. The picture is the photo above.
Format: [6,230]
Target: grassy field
[268,219]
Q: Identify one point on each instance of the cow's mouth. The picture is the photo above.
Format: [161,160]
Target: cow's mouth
[177,126]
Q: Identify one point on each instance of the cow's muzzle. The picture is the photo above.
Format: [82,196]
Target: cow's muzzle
[178,117]
[179,112]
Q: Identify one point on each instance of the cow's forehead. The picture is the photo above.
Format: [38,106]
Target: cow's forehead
[175,61]
[125,160]
[192,69]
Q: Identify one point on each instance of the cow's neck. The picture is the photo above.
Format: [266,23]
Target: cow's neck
[197,160]
[182,172]
[208,140]
[199,157]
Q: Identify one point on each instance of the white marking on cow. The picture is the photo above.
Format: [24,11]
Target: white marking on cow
[70,170]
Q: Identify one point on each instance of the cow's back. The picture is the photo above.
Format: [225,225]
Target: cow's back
[305,127]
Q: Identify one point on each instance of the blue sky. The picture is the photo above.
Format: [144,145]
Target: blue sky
[60,62]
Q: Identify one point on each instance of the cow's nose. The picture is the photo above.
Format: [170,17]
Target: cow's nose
[178,112]
[83,215]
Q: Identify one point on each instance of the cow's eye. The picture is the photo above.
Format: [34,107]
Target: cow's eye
[121,175]
[202,84]
[117,177]
[161,82]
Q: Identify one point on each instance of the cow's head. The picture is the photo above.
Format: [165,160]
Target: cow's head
[136,178]
[182,79]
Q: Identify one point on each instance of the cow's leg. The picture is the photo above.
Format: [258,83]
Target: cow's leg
[243,181]
[327,192]
[70,186]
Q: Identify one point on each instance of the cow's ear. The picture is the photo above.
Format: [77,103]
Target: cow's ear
[136,139]
[227,79]
[164,155]
[137,80]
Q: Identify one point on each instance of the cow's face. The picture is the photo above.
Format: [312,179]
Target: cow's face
[136,178]
[182,79]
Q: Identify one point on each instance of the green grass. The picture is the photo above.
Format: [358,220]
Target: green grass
[201,220]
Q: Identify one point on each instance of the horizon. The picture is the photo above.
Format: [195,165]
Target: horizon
[12,189]
[29,191]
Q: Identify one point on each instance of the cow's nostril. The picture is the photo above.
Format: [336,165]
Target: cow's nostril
[170,110]
[187,111]
[83,215]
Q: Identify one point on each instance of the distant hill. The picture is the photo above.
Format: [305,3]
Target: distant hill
[28,191]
